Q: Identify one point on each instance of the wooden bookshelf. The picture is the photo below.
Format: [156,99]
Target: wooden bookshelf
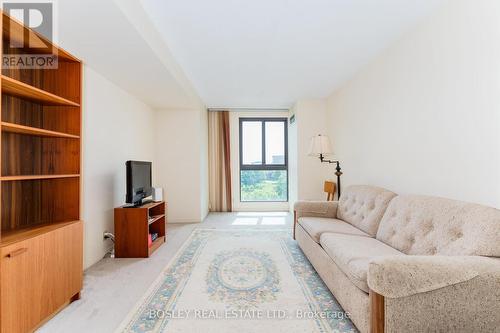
[41,235]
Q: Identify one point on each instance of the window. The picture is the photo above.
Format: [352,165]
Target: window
[263,159]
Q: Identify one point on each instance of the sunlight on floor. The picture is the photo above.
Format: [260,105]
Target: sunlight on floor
[262,214]
[260,218]
[246,221]
[273,221]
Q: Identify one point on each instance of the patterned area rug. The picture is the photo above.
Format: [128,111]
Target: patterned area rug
[238,281]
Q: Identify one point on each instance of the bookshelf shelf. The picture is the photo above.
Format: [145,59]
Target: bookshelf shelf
[36,177]
[20,89]
[28,130]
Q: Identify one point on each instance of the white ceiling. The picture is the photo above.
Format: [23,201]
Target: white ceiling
[270,53]
[99,33]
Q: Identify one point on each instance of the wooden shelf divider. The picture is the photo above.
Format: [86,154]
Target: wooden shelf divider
[36,177]
[21,234]
[17,88]
[21,129]
[155,218]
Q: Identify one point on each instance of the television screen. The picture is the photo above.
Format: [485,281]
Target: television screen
[138,181]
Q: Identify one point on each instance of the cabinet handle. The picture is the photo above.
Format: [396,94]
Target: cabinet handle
[17,252]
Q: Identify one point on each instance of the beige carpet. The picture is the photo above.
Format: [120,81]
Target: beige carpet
[246,280]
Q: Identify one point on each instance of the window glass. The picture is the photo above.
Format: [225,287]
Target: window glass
[251,137]
[275,142]
[264,185]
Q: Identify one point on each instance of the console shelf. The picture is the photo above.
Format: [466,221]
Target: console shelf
[155,218]
[156,244]
[132,227]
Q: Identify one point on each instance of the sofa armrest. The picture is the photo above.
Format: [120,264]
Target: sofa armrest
[326,209]
[402,276]
[316,209]
[434,294]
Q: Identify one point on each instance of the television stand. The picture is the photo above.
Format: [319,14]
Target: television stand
[133,226]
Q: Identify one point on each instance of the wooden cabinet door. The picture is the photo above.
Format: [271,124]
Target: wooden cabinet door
[38,276]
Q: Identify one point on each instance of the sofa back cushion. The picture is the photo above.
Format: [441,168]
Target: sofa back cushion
[423,225]
[363,206]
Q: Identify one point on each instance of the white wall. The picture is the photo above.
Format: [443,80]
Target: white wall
[310,116]
[424,117]
[175,140]
[182,167]
[116,127]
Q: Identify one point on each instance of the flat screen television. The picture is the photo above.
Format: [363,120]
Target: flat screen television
[138,182]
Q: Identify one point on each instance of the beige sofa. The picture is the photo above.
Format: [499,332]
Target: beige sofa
[406,263]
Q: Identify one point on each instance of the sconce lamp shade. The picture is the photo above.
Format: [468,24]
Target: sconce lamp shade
[320,145]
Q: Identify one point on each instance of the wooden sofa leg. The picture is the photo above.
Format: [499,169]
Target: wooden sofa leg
[377,313]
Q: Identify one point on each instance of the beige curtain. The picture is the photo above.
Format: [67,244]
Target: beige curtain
[219,161]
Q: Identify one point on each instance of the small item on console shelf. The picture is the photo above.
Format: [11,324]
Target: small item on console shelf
[157,194]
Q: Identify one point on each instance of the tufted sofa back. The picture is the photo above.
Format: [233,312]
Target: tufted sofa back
[363,206]
[423,225]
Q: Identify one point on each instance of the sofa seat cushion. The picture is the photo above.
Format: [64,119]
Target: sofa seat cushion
[316,226]
[353,254]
